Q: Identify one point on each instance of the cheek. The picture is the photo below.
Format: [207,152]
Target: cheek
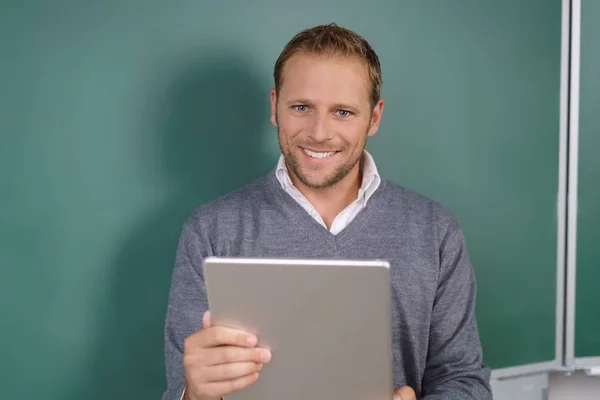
[291,127]
[353,133]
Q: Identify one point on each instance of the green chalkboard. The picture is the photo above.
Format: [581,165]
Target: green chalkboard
[118,118]
[587,310]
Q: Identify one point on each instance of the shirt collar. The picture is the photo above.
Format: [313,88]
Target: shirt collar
[370,178]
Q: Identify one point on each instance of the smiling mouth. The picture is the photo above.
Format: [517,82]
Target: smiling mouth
[318,154]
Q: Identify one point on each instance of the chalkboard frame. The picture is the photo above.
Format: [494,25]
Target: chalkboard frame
[589,363]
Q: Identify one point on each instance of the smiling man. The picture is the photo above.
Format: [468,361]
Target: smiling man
[326,199]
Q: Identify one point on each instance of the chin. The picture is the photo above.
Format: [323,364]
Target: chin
[318,183]
[321,181]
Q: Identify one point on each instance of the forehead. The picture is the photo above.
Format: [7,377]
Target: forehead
[325,78]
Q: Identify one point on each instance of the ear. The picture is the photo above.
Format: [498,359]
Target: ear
[376,118]
[274,107]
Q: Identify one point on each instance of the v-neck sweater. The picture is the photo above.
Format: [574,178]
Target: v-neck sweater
[436,345]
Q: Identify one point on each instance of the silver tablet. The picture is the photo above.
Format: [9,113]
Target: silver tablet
[327,323]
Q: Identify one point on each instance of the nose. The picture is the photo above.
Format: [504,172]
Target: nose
[321,128]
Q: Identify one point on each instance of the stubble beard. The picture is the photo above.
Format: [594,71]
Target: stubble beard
[293,165]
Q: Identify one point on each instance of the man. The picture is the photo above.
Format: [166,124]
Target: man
[325,199]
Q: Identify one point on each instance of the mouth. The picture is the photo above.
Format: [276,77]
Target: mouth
[318,155]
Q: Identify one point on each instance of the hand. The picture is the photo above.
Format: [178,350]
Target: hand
[405,393]
[219,361]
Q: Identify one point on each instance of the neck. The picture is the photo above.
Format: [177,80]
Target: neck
[329,202]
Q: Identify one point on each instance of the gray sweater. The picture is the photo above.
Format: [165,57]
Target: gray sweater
[435,337]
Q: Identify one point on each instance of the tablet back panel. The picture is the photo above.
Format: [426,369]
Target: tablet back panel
[328,324]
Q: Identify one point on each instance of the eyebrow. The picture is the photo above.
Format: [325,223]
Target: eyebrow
[346,106]
[298,101]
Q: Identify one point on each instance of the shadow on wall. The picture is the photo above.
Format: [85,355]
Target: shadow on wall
[211,136]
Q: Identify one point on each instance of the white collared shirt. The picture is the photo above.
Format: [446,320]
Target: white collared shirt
[370,183]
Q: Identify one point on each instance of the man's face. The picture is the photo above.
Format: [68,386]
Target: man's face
[323,116]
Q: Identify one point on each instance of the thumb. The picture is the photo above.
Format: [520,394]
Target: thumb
[405,393]
[206,319]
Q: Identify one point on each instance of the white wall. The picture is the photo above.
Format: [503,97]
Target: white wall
[575,387]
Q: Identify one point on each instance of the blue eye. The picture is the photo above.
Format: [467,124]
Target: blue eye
[300,108]
[343,113]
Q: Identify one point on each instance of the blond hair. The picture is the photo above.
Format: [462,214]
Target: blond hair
[331,40]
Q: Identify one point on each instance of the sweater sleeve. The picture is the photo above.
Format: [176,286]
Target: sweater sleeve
[187,303]
[454,368]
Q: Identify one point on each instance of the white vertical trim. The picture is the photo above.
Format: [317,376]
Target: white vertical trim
[562,180]
[572,184]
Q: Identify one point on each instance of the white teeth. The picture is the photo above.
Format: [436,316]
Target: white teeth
[314,154]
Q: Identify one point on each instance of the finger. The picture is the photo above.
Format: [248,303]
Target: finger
[232,354]
[221,389]
[220,335]
[206,319]
[230,371]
